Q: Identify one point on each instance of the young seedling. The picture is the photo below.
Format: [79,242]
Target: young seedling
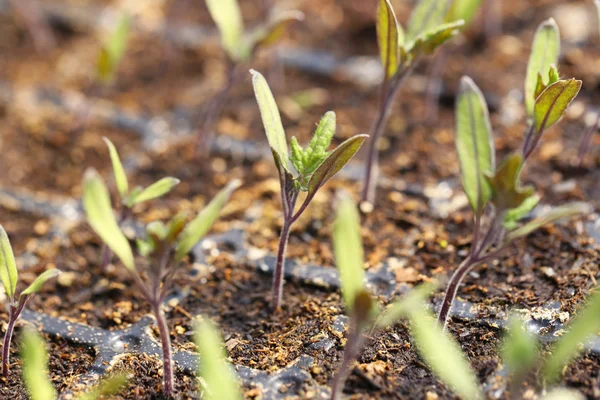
[240,47]
[36,377]
[163,248]
[400,53]
[129,198]
[435,346]
[10,276]
[112,51]
[499,188]
[301,170]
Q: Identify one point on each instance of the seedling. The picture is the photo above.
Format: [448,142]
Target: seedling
[240,47]
[436,347]
[112,51]
[137,195]
[10,276]
[36,377]
[400,53]
[163,248]
[547,97]
[301,170]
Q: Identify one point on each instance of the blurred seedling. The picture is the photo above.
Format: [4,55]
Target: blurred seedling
[300,169]
[9,275]
[129,198]
[499,202]
[240,47]
[435,346]
[400,53]
[112,51]
[162,250]
[36,376]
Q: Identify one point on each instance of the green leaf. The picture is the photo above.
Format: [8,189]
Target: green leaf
[157,189]
[567,210]
[37,284]
[519,349]
[198,227]
[585,325]
[334,163]
[228,18]
[507,192]
[175,226]
[145,248]
[544,52]
[426,15]
[316,151]
[271,32]
[428,42]
[218,374]
[401,308]
[297,156]
[514,215]
[109,386]
[118,170]
[348,249]
[474,143]
[8,268]
[35,366]
[389,37]
[463,9]
[553,102]
[272,122]
[96,203]
[563,394]
[113,50]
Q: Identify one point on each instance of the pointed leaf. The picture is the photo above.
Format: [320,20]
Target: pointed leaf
[218,374]
[176,226]
[428,42]
[553,102]
[37,284]
[198,227]
[463,9]
[157,189]
[519,349]
[567,210]
[109,386]
[389,38]
[583,327]
[348,250]
[544,52]
[228,18]
[113,50]
[96,203]
[426,15]
[507,192]
[270,33]
[118,170]
[316,151]
[272,121]
[35,366]
[8,266]
[474,143]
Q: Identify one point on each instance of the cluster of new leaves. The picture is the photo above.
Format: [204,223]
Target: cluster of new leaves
[239,44]
[112,51]
[37,380]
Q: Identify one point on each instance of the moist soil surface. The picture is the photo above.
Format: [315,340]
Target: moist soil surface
[421,226]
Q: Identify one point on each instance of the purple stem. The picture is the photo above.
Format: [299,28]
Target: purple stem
[14,314]
[353,346]
[165,341]
[279,266]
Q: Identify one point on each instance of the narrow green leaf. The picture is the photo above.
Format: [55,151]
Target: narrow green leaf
[118,170]
[273,30]
[157,189]
[544,52]
[428,42]
[297,156]
[585,325]
[507,192]
[109,386]
[389,37]
[563,394]
[272,122]
[198,227]
[35,366]
[514,215]
[426,15]
[474,143]
[96,203]
[175,226]
[553,102]
[228,18]
[348,249]
[37,284]
[567,210]
[218,374]
[316,151]
[519,349]
[8,266]
[113,50]
[334,163]
[463,9]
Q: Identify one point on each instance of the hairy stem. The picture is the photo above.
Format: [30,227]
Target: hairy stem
[7,340]
[165,341]
[280,264]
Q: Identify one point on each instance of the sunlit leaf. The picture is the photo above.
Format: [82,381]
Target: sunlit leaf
[474,143]
[96,203]
[463,9]
[428,42]
[198,227]
[519,349]
[426,15]
[514,215]
[37,284]
[273,30]
[553,102]
[584,326]
[118,170]
[563,394]
[389,37]
[544,52]
[35,366]
[316,151]
[157,189]
[106,387]
[507,192]
[567,210]
[217,372]
[228,18]
[8,266]
[113,50]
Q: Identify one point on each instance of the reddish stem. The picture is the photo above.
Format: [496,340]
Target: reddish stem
[280,265]
[165,341]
